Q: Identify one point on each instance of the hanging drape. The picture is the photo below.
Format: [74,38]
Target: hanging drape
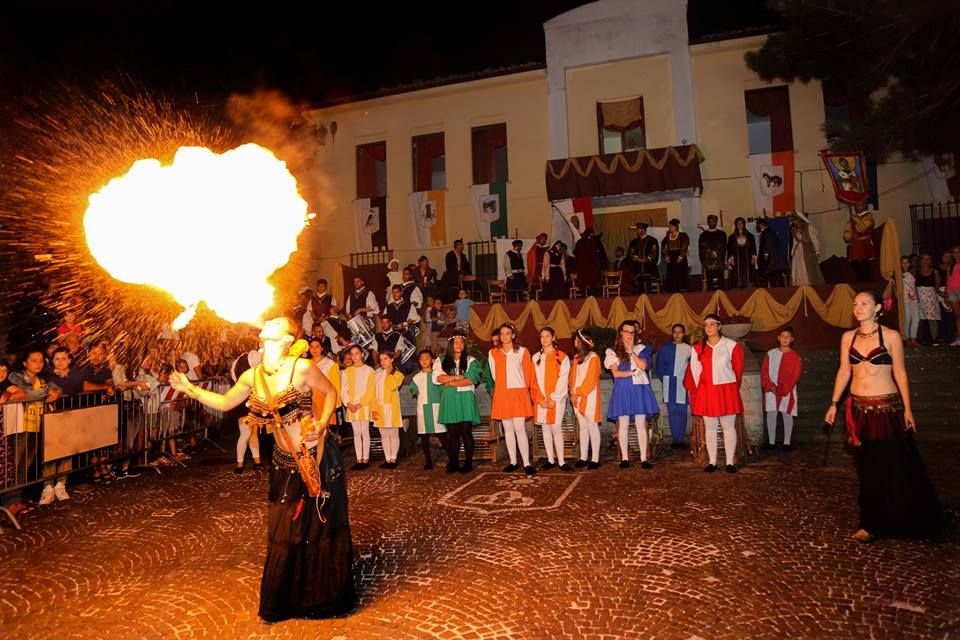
[425,149]
[368,155]
[621,115]
[486,141]
[773,103]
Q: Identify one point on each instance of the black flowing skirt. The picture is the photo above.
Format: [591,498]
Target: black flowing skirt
[308,572]
[896,497]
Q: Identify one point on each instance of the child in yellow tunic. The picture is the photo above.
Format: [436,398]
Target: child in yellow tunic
[357,393]
[329,368]
[386,413]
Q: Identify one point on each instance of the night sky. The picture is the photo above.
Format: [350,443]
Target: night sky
[313,51]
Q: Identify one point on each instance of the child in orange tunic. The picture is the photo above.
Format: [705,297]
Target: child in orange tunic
[512,370]
[551,375]
[585,397]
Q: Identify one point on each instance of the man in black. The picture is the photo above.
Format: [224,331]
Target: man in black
[713,253]
[771,259]
[516,274]
[362,300]
[643,255]
[402,314]
[456,266]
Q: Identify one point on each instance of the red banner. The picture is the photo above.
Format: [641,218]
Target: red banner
[848,172]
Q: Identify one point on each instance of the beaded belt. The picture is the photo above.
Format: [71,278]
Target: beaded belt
[886,403]
[284,460]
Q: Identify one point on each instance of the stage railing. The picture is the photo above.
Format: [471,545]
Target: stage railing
[935,228]
[377,257]
[45,441]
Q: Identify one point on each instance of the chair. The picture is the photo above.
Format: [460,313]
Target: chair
[497,291]
[486,437]
[571,439]
[533,293]
[574,289]
[654,438]
[472,285]
[612,281]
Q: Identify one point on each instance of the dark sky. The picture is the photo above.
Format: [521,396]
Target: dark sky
[315,51]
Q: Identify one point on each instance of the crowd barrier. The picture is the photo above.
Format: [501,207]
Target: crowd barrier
[45,441]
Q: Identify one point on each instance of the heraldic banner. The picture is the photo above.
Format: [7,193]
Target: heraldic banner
[773,182]
[370,223]
[848,172]
[429,218]
[490,209]
[570,218]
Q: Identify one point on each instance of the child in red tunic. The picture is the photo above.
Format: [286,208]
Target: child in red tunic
[779,376]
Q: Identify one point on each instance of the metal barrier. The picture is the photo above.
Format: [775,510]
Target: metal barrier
[935,228]
[45,441]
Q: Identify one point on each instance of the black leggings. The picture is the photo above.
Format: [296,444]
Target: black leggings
[455,433]
[425,444]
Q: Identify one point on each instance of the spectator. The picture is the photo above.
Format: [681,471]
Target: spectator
[457,266]
[38,394]
[463,306]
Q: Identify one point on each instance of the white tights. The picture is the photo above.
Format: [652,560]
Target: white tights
[772,427]
[247,435]
[515,433]
[390,438]
[729,437]
[553,442]
[623,435]
[361,439]
[589,438]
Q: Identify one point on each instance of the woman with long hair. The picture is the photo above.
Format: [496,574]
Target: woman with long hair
[512,370]
[928,295]
[713,380]
[322,359]
[585,397]
[551,369]
[953,290]
[459,373]
[300,580]
[896,497]
[555,273]
[741,255]
[630,362]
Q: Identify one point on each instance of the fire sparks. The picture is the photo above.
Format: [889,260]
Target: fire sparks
[207,228]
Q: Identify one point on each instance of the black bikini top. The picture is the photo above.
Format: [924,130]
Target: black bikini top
[877,356]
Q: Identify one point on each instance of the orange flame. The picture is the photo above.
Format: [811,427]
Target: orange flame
[207,228]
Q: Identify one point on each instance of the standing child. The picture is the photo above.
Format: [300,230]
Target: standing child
[629,361]
[459,374]
[585,397]
[427,394]
[911,304]
[672,361]
[551,369]
[357,393]
[512,370]
[463,303]
[428,334]
[386,413]
[779,376]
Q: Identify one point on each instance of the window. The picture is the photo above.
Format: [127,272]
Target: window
[769,128]
[620,125]
[429,164]
[489,149]
[372,170]
[839,111]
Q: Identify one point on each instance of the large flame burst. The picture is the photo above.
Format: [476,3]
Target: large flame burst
[62,144]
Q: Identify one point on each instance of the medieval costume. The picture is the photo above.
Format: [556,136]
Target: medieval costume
[427,394]
[555,273]
[535,257]
[779,376]
[858,235]
[672,361]
[458,407]
[771,259]
[674,249]
[804,255]
[514,272]
[456,266]
[631,399]
[386,413]
[713,381]
[585,385]
[643,256]
[362,298]
[713,255]
[591,261]
[741,256]
[550,383]
[513,375]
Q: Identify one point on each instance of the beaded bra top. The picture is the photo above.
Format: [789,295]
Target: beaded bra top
[281,408]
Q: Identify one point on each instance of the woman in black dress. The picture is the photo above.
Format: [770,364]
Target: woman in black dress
[741,256]
[555,273]
[308,569]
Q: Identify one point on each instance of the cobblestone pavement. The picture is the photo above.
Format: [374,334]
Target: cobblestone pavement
[670,552]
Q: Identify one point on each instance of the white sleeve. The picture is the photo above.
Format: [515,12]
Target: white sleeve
[610,360]
[416,298]
[372,303]
[563,381]
[437,370]
[492,364]
[413,317]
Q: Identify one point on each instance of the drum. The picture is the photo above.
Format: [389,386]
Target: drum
[407,349]
[361,328]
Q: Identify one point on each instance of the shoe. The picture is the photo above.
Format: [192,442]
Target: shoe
[546,466]
[863,536]
[452,468]
[731,468]
[128,473]
[384,465]
[428,465]
[593,465]
[60,491]
[258,466]
[787,448]
[710,468]
[767,446]
[467,468]
[511,468]
[356,466]
[48,496]
[624,464]
[529,470]
[580,464]
[566,467]
[646,465]
[238,470]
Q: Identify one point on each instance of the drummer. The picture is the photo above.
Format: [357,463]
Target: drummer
[387,340]
[403,314]
[361,300]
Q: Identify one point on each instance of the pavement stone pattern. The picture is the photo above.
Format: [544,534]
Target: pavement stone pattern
[613,553]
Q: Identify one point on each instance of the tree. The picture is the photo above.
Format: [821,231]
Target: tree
[901,60]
